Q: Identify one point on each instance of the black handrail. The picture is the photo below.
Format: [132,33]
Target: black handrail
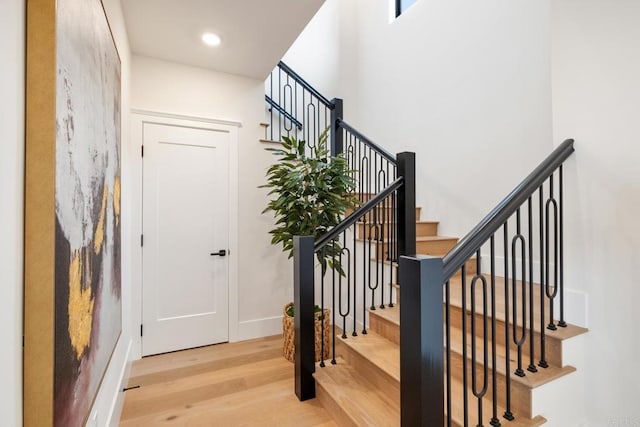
[357,214]
[284,67]
[281,110]
[469,245]
[384,153]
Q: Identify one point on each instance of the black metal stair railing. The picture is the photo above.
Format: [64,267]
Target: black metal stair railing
[367,242]
[297,109]
[528,224]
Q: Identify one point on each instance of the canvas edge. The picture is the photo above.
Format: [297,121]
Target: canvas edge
[39,262]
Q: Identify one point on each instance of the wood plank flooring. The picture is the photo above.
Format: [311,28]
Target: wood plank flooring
[240,384]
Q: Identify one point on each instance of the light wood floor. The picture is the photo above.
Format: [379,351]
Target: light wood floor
[239,384]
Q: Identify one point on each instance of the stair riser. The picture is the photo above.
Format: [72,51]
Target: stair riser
[553,347]
[383,327]
[422,230]
[373,373]
[520,394]
[333,408]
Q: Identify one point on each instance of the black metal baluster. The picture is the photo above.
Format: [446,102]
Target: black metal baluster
[318,131]
[305,119]
[391,247]
[465,382]
[394,248]
[562,322]
[385,244]
[345,250]
[508,414]
[375,211]
[447,329]
[532,365]
[326,125]
[279,101]
[355,282]
[322,307]
[287,89]
[479,394]
[542,363]
[270,107]
[367,257]
[518,340]
[376,241]
[551,202]
[495,422]
[333,310]
[311,113]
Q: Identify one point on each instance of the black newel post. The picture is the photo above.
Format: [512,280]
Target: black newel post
[337,113]
[407,205]
[421,336]
[303,299]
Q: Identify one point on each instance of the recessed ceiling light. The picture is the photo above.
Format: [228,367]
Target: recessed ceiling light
[211,39]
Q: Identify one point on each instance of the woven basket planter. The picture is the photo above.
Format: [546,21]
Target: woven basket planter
[288,334]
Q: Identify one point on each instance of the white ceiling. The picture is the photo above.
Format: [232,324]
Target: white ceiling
[255,33]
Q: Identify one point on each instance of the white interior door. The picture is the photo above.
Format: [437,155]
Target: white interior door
[185,229]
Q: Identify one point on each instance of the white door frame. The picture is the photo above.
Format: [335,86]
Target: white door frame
[138,119]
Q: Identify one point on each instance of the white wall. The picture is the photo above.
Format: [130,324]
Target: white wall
[110,398]
[12,41]
[265,275]
[596,100]
[464,84]
[314,54]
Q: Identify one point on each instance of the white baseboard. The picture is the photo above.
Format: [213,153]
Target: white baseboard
[118,401]
[258,328]
[576,302]
[109,400]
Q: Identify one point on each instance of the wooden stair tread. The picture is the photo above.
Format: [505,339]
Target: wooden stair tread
[561,333]
[270,141]
[359,400]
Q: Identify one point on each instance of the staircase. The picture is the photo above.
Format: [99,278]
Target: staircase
[363,387]
[500,337]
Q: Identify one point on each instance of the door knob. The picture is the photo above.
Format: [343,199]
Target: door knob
[221,252]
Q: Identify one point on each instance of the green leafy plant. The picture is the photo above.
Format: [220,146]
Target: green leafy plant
[312,193]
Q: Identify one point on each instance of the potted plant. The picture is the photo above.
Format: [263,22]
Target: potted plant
[312,191]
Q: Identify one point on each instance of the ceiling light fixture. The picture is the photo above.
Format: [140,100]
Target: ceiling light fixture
[211,39]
